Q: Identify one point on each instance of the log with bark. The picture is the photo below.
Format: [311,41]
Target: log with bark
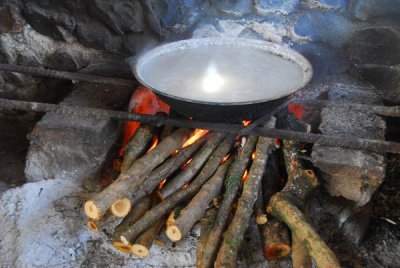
[193,167]
[172,201]
[137,145]
[138,210]
[233,236]
[143,243]
[300,258]
[259,207]
[165,170]
[232,184]
[285,206]
[120,188]
[196,207]
[98,225]
[276,245]
[205,227]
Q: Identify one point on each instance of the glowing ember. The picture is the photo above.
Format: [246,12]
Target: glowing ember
[186,185]
[186,164]
[225,158]
[246,122]
[245,175]
[198,133]
[253,155]
[174,153]
[160,186]
[154,144]
[297,110]
[143,101]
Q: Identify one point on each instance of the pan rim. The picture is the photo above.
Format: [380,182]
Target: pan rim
[265,46]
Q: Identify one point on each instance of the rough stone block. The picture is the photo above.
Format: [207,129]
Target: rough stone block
[284,7]
[73,147]
[368,9]
[353,174]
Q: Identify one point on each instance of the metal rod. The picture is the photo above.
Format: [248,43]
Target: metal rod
[67,75]
[326,140]
[392,111]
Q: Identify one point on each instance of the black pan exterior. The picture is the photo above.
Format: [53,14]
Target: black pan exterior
[222,113]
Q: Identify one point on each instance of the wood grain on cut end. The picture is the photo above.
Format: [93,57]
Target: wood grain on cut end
[91,210]
[92,226]
[140,251]
[173,233]
[261,219]
[121,207]
[276,251]
[122,247]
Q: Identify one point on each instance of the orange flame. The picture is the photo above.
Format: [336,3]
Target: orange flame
[143,101]
[186,185]
[186,164]
[154,144]
[246,122]
[245,176]
[198,133]
[253,155]
[225,158]
[160,186]
[174,153]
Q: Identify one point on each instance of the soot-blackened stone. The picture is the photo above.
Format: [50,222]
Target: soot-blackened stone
[325,26]
[378,44]
[66,59]
[371,9]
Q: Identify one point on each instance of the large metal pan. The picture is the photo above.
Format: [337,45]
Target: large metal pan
[223,79]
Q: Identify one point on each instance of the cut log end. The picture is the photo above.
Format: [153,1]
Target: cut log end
[92,226]
[140,251]
[124,240]
[173,233]
[121,207]
[91,210]
[122,247]
[276,251]
[261,219]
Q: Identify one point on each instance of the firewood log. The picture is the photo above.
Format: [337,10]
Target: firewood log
[285,206]
[137,145]
[142,245]
[193,167]
[232,184]
[163,171]
[233,236]
[196,208]
[139,209]
[120,188]
[166,131]
[300,258]
[175,213]
[98,225]
[274,234]
[172,201]
[205,227]
[275,240]
[259,207]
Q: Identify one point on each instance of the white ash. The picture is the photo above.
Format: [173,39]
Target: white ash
[43,226]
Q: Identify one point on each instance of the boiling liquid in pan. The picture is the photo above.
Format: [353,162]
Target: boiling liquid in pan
[222,74]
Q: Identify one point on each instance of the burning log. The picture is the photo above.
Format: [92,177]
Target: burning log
[259,207]
[193,167]
[197,207]
[142,245]
[120,188]
[165,170]
[205,227]
[300,258]
[233,236]
[283,205]
[170,202]
[232,184]
[134,215]
[137,146]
